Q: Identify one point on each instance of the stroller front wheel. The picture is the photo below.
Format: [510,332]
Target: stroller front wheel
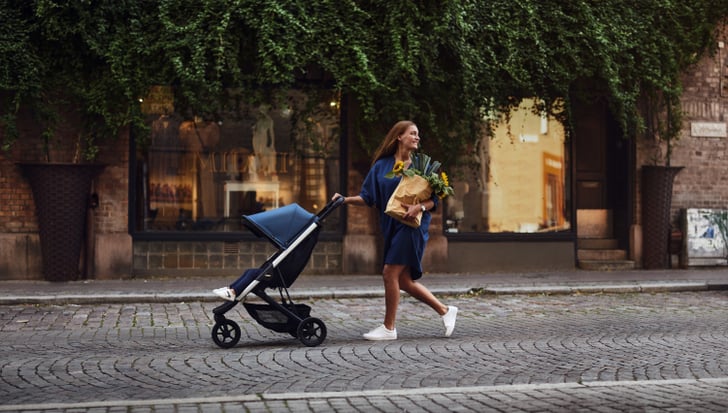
[312,332]
[226,333]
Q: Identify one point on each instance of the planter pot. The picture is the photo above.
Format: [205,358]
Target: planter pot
[61,195]
[657,184]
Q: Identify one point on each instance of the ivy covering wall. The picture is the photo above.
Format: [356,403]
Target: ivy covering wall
[441,63]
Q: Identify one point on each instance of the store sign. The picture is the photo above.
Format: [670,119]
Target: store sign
[708,129]
[159,101]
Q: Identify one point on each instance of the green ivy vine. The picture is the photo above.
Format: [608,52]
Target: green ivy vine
[441,63]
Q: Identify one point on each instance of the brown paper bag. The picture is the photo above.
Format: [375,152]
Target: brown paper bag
[411,190]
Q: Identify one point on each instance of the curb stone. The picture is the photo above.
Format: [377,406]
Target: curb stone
[198,296]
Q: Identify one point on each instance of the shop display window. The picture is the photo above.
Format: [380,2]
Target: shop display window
[204,174]
[517,179]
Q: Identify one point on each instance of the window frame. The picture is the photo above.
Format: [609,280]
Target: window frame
[568,235]
[229,236]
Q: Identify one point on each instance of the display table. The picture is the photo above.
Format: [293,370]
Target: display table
[258,187]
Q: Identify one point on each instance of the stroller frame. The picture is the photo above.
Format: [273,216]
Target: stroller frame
[282,316]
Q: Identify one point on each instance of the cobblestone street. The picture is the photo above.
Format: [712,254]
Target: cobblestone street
[534,353]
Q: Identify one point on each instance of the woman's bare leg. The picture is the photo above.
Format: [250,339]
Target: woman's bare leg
[391,274]
[420,292]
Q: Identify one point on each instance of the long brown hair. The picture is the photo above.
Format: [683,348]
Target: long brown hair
[388,147]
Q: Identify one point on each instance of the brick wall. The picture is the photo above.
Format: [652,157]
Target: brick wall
[703,182]
[17,211]
[20,258]
[112,187]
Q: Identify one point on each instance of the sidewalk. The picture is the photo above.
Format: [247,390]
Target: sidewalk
[155,290]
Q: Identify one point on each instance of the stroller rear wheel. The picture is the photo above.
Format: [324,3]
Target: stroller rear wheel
[226,333]
[312,332]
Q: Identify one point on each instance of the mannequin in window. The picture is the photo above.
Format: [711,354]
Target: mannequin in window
[264,143]
[200,137]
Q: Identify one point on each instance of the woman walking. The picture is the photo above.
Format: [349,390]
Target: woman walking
[404,245]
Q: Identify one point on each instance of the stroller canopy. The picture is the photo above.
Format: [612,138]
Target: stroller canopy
[280,225]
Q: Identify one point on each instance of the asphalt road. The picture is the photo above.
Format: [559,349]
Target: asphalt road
[633,352]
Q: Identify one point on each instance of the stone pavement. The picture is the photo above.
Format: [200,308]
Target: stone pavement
[656,352]
[363,286]
[524,342]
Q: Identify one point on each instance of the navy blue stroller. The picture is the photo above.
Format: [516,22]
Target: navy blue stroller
[294,231]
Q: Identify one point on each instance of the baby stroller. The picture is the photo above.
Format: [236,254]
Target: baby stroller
[294,231]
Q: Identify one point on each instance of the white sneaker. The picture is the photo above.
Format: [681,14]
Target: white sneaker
[449,320]
[381,333]
[226,293]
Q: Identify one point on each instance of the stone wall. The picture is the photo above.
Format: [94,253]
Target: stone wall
[189,258]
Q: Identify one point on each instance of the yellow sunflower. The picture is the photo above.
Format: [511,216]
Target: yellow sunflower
[398,167]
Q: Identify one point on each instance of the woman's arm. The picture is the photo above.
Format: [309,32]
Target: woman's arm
[414,209]
[351,200]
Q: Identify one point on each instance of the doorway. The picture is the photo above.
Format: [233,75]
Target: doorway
[602,174]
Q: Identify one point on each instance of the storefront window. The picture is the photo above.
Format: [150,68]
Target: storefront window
[203,174]
[517,182]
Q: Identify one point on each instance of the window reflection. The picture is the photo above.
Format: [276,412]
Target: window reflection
[518,178]
[203,175]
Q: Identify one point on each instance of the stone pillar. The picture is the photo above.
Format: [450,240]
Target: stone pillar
[435,259]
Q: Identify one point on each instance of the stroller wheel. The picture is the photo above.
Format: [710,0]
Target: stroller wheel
[312,332]
[226,333]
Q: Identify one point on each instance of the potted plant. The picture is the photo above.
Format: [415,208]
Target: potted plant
[61,194]
[663,125]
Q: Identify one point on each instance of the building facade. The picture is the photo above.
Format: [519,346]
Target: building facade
[531,198]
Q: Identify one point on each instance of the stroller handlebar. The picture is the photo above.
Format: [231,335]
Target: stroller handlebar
[330,207]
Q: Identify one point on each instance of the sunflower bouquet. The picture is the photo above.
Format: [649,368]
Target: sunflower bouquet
[423,165]
[418,183]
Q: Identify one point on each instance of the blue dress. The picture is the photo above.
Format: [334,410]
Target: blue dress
[403,244]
